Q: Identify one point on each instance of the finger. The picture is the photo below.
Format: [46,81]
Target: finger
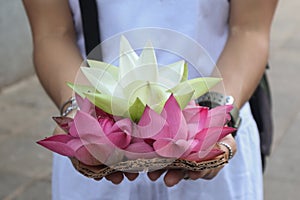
[75,162]
[196,175]
[204,174]
[173,177]
[131,176]
[153,176]
[211,174]
[115,178]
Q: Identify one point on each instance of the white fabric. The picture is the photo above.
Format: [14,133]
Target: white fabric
[206,22]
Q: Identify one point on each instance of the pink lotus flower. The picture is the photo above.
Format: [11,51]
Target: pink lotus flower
[95,137]
[91,139]
[190,133]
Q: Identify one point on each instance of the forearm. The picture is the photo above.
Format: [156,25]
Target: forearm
[242,64]
[245,55]
[57,60]
[56,56]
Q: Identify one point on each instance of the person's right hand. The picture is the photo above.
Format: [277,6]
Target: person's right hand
[115,178]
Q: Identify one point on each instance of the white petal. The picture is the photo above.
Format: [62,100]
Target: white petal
[149,93]
[102,80]
[199,85]
[148,63]
[109,104]
[113,70]
[128,57]
[171,75]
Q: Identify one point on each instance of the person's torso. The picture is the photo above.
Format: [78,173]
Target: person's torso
[202,21]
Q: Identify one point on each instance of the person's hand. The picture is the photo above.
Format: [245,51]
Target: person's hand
[172,177]
[115,178]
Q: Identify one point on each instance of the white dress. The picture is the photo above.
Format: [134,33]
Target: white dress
[205,21]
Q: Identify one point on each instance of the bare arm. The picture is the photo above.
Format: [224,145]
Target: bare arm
[241,64]
[56,56]
[245,55]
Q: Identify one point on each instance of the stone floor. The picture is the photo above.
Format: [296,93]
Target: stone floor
[25,168]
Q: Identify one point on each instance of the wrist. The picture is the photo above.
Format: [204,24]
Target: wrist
[214,99]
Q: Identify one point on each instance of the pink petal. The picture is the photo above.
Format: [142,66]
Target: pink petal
[213,154]
[106,124]
[95,139]
[102,149]
[192,144]
[149,141]
[196,118]
[86,106]
[73,130]
[120,139]
[101,113]
[79,100]
[210,136]
[83,155]
[58,144]
[85,124]
[175,119]
[218,116]
[226,131]
[170,148]
[123,124]
[208,156]
[151,125]
[140,150]
[222,109]
[191,103]
[120,133]
[190,112]
[97,150]
[140,147]
[75,144]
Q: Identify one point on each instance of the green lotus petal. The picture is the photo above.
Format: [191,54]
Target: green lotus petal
[185,72]
[136,110]
[184,99]
[113,70]
[199,85]
[171,75]
[81,90]
[102,80]
[112,105]
[128,58]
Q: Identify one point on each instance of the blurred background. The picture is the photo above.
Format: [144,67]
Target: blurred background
[25,168]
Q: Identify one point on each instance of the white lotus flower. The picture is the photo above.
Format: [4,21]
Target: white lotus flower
[137,82]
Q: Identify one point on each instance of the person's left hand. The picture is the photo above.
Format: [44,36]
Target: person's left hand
[172,177]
